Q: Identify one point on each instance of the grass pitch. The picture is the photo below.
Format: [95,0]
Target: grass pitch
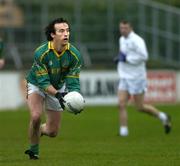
[90,139]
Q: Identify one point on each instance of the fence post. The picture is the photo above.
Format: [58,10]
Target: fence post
[141,16]
[44,18]
[77,13]
[168,41]
[155,38]
[110,21]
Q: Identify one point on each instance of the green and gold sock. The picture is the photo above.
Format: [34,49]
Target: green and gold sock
[35,148]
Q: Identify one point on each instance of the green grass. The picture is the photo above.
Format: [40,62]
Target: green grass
[90,139]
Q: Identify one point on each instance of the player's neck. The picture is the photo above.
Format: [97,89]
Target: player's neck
[58,47]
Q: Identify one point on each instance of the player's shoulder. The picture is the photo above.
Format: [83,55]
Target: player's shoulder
[122,39]
[41,50]
[137,37]
[74,51]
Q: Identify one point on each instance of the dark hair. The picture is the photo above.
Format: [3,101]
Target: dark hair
[126,22]
[50,27]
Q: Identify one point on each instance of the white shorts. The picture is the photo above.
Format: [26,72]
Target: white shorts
[133,86]
[51,102]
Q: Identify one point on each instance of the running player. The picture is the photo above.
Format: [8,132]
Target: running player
[133,82]
[55,70]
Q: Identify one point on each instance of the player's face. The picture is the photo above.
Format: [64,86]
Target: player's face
[61,33]
[125,29]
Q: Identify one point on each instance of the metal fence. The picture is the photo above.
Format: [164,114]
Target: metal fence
[160,26]
[95,31]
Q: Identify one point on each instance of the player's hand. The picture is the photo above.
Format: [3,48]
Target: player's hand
[116,59]
[2,62]
[60,96]
[122,57]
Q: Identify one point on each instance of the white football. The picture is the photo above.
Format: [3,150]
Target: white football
[74,102]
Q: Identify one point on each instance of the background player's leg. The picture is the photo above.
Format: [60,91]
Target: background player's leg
[123,119]
[139,102]
[51,127]
[149,109]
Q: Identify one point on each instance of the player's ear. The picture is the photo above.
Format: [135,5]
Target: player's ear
[52,35]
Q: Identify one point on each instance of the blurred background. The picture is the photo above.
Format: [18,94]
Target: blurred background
[94,26]
[90,139]
[94,30]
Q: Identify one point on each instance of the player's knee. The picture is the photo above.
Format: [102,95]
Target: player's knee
[36,118]
[140,108]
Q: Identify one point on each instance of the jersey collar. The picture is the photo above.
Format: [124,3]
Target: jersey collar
[50,47]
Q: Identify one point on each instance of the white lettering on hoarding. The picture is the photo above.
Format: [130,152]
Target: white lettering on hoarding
[101,87]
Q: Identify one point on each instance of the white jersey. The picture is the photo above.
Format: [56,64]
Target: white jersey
[136,56]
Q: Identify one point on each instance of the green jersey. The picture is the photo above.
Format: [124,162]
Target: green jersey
[57,69]
[1,48]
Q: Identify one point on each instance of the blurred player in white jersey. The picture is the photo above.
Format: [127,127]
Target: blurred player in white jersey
[131,64]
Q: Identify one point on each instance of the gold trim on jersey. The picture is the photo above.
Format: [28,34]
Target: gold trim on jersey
[41,73]
[50,46]
[74,55]
[40,47]
[42,56]
[72,76]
